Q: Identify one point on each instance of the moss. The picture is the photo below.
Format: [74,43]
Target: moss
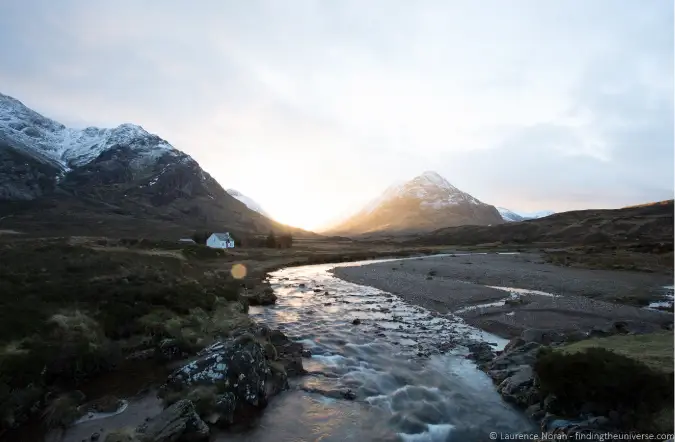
[204,399]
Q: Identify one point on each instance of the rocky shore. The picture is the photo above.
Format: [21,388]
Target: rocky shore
[517,372]
[225,385]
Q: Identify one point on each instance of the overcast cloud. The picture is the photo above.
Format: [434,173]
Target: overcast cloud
[314,107]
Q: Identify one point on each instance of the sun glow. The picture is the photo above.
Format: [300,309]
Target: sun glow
[311,220]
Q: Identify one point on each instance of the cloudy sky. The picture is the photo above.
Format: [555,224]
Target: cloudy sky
[313,107]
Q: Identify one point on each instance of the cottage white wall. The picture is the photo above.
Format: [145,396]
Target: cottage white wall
[215,243]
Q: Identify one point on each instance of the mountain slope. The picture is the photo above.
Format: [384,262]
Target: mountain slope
[537,214]
[509,216]
[250,203]
[425,203]
[54,178]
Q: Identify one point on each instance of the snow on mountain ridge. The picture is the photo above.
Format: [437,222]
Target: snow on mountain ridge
[73,147]
[250,203]
[509,215]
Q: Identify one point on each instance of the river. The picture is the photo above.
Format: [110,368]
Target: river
[402,387]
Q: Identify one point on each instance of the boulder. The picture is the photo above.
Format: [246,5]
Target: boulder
[519,388]
[179,422]
[239,374]
[525,354]
[289,353]
[481,352]
[263,296]
[513,343]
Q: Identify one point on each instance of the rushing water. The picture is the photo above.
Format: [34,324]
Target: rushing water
[391,367]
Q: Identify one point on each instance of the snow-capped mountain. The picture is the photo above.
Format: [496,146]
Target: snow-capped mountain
[250,203]
[509,216]
[104,174]
[73,147]
[426,202]
[537,214]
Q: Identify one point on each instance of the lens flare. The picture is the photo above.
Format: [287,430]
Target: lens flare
[238,271]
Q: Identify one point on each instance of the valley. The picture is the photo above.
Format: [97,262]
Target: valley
[395,322]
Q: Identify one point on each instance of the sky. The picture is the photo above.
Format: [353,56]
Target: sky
[314,107]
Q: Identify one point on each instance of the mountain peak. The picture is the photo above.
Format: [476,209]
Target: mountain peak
[432,178]
[426,202]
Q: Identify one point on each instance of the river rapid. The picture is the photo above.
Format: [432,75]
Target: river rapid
[402,373]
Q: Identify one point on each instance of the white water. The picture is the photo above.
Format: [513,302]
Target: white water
[406,387]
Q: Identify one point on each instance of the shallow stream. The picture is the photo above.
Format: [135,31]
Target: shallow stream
[403,369]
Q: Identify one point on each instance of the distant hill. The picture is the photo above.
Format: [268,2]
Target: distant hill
[646,224]
[425,203]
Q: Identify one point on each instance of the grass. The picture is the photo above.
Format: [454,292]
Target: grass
[71,309]
[632,374]
[654,350]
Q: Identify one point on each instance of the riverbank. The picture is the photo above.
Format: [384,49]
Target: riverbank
[576,386]
[464,284]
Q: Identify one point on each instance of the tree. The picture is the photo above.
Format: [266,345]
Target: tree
[286,240]
[271,240]
[200,237]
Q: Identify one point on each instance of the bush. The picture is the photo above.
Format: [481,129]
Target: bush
[607,380]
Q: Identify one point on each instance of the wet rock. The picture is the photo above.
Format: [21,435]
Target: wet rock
[481,352]
[356,321]
[289,353]
[525,354]
[176,423]
[95,436]
[349,395]
[302,286]
[264,296]
[306,353]
[518,386]
[318,290]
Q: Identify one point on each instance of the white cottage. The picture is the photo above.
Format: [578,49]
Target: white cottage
[220,241]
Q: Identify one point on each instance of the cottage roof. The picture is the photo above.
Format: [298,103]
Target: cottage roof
[223,236]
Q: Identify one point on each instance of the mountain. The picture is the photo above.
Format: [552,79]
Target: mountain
[425,203]
[536,215]
[250,203]
[122,180]
[648,227]
[509,216]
